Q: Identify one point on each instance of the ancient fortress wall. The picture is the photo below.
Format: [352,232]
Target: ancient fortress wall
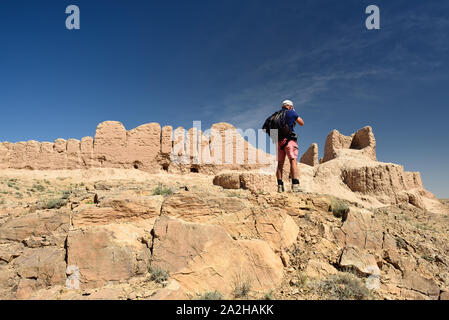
[154,149]
[148,147]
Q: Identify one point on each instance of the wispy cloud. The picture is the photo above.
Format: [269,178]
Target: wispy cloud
[306,73]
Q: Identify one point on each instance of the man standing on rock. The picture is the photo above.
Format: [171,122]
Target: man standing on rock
[288,146]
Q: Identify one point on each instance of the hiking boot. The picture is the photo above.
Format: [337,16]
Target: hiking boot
[281,188]
[296,188]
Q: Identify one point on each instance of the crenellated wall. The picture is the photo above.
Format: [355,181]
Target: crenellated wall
[148,147]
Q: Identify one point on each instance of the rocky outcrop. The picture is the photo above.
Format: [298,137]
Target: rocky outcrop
[203,258]
[109,253]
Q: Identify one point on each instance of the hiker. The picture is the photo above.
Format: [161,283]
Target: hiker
[287,145]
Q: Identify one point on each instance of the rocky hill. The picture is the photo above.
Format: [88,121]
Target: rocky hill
[145,214]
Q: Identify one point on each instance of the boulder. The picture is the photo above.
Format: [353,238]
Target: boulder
[228,180]
[362,262]
[258,182]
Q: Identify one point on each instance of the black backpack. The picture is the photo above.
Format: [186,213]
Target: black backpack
[278,121]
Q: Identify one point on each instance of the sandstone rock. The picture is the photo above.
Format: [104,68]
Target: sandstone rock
[231,213]
[48,227]
[118,209]
[361,230]
[9,251]
[319,269]
[107,253]
[8,281]
[277,228]
[204,258]
[414,281]
[45,265]
[229,180]
[361,261]
[444,295]
[258,182]
[173,291]
[310,157]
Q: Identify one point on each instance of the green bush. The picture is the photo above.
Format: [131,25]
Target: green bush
[211,295]
[162,191]
[242,287]
[268,295]
[159,275]
[339,208]
[343,286]
[38,187]
[55,203]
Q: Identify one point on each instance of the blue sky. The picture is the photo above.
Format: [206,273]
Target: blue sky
[174,62]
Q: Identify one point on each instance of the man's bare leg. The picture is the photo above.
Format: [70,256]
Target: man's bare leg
[294,168]
[279,170]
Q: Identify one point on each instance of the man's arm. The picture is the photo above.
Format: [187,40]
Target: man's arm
[300,121]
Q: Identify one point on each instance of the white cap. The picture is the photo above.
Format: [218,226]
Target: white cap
[287,103]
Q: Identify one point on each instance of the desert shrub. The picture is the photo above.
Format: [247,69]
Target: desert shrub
[162,191]
[242,287]
[343,286]
[400,243]
[302,277]
[236,195]
[54,203]
[339,208]
[159,275]
[211,295]
[2,201]
[268,295]
[428,258]
[12,184]
[66,194]
[38,187]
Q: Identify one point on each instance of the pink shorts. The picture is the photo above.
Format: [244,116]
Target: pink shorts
[290,150]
